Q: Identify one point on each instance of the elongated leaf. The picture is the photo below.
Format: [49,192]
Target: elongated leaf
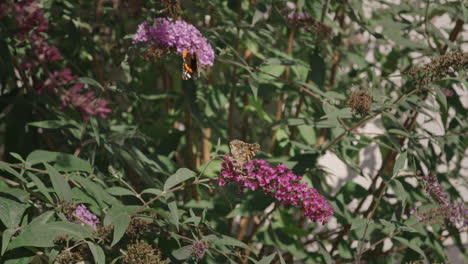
[98,253]
[441,96]
[50,124]
[267,259]
[61,187]
[174,213]
[43,235]
[6,236]
[119,191]
[413,246]
[182,253]
[180,176]
[62,161]
[97,191]
[42,219]
[40,186]
[119,218]
[399,163]
[13,172]
[11,212]
[223,240]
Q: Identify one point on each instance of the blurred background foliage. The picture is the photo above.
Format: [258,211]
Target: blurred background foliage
[273,82]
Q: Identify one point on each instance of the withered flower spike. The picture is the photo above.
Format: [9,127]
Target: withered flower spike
[439,68]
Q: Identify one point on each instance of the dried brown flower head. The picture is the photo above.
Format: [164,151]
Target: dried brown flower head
[142,252]
[360,102]
[439,67]
[69,257]
[67,209]
[155,53]
[104,233]
[139,228]
[61,240]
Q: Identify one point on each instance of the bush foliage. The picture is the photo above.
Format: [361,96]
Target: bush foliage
[115,131]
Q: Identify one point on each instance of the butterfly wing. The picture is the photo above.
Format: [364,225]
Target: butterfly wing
[190,65]
[243,152]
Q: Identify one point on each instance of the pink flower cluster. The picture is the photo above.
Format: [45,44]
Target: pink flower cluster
[85,216]
[31,24]
[278,182]
[178,35]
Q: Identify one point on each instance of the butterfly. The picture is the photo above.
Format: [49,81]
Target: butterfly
[190,65]
[243,152]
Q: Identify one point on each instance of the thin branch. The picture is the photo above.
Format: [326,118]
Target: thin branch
[164,193]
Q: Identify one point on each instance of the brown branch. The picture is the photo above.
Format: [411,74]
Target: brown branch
[280,103]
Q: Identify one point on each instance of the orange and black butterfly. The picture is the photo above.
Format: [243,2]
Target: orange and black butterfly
[243,152]
[190,65]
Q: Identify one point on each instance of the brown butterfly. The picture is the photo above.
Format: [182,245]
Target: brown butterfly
[190,65]
[243,152]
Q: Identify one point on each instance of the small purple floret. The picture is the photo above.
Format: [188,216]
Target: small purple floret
[85,216]
[198,250]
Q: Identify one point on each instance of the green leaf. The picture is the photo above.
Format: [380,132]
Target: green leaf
[11,212]
[20,195]
[61,187]
[258,15]
[183,253]
[267,259]
[6,236]
[174,213]
[42,219]
[326,256]
[118,191]
[399,163]
[399,190]
[441,96]
[222,240]
[358,223]
[96,191]
[281,258]
[49,124]
[10,170]
[120,219]
[40,186]
[152,191]
[43,235]
[98,253]
[62,161]
[91,82]
[411,245]
[181,175]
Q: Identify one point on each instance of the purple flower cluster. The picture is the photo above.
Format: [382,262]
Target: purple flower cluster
[198,249]
[294,17]
[305,21]
[433,189]
[31,25]
[278,182]
[177,35]
[455,213]
[85,216]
